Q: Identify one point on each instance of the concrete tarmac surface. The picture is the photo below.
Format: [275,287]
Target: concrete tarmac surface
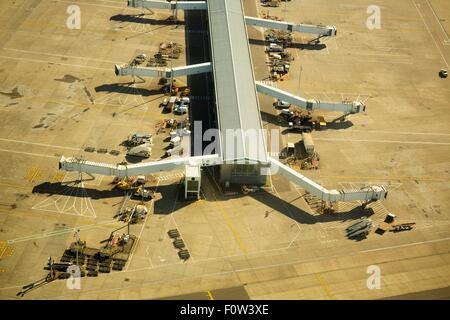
[59,95]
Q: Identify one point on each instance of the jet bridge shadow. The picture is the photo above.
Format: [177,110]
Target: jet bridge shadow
[291,211]
[73,189]
[141,19]
[171,200]
[303,217]
[127,88]
[133,159]
[273,119]
[296,45]
[341,125]
[332,125]
[308,46]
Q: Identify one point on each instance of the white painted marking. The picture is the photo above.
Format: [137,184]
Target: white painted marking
[39,144]
[57,63]
[94,4]
[132,96]
[367,61]
[75,199]
[172,217]
[148,255]
[140,233]
[28,153]
[287,208]
[58,232]
[379,54]
[429,31]
[446,38]
[403,132]
[183,278]
[61,55]
[384,141]
[405,245]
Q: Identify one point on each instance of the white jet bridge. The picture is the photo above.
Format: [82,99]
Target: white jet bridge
[136,71]
[322,31]
[345,107]
[128,170]
[127,70]
[237,105]
[172,5]
[370,193]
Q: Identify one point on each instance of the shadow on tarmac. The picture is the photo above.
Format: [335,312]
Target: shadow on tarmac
[301,46]
[141,19]
[127,88]
[300,216]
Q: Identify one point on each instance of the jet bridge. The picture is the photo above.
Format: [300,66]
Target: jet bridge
[172,5]
[124,170]
[127,170]
[371,193]
[127,70]
[329,31]
[345,107]
[237,105]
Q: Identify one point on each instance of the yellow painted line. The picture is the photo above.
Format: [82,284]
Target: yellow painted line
[9,251]
[5,249]
[30,173]
[325,286]
[40,175]
[210,296]
[34,173]
[404,178]
[227,219]
[58,177]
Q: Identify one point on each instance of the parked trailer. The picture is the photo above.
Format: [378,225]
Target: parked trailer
[143,150]
[177,150]
[273,47]
[281,104]
[273,4]
[169,106]
[298,126]
[308,142]
[175,141]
